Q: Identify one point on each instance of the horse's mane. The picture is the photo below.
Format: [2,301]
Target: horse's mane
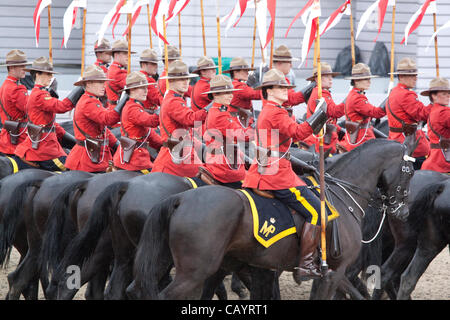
[358,152]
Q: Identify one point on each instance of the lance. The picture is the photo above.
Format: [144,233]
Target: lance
[436,46]
[219,53]
[203,27]
[50,49]
[166,55]
[352,36]
[321,156]
[149,26]
[129,42]
[272,43]
[179,32]
[83,41]
[391,82]
[254,39]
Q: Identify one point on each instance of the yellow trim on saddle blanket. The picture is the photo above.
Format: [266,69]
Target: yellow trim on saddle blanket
[59,164]
[265,243]
[334,213]
[194,185]
[145,171]
[14,164]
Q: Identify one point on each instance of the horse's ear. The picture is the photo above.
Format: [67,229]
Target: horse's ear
[326,154]
[312,148]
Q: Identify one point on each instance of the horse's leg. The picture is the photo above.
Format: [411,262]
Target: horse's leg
[212,284]
[237,286]
[425,253]
[264,284]
[326,287]
[405,245]
[347,287]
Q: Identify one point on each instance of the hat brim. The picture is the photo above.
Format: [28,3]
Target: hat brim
[333,74]
[404,73]
[139,86]
[361,78]
[261,86]
[205,68]
[238,69]
[188,76]
[40,70]
[16,64]
[122,50]
[286,59]
[427,93]
[83,81]
[149,61]
[221,91]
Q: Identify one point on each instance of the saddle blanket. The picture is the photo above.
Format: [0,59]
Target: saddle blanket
[272,219]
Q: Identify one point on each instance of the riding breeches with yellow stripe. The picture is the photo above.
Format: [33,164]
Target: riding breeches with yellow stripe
[303,201]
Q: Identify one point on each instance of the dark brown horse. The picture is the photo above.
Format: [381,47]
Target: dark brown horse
[203,229]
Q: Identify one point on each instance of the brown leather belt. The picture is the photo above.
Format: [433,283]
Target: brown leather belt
[435,146]
[81,142]
[393,129]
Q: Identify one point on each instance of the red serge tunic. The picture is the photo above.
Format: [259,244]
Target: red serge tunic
[162,88]
[14,97]
[102,64]
[440,121]
[42,109]
[243,98]
[118,74]
[278,174]
[176,119]
[152,102]
[222,122]
[92,118]
[334,111]
[198,99]
[360,110]
[294,98]
[407,107]
[138,125]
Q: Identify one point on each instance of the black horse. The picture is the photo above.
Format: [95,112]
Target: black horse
[16,192]
[212,227]
[433,205]
[75,203]
[35,211]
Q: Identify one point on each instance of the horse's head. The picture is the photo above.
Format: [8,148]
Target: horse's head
[394,185]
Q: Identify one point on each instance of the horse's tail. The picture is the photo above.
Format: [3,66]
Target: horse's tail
[13,214]
[84,244]
[153,257]
[423,204]
[56,228]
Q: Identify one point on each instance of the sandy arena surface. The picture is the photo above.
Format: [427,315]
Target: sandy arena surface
[433,285]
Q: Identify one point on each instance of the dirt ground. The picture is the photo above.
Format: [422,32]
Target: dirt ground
[433,285]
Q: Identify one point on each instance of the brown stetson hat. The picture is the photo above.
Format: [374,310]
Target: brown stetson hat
[149,55]
[437,84]
[136,79]
[120,46]
[15,57]
[104,46]
[41,64]
[92,73]
[178,70]
[220,83]
[238,63]
[325,70]
[283,54]
[361,71]
[407,67]
[172,53]
[274,77]
[204,63]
